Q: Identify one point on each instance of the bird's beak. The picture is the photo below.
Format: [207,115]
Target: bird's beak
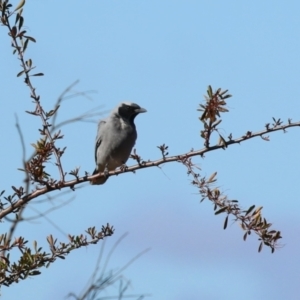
[140,110]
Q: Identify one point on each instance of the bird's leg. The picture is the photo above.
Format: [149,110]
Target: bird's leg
[106,171]
[123,167]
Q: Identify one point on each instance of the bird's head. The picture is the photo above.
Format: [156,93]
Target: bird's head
[129,110]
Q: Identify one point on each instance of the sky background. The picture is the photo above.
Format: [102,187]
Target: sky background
[163,55]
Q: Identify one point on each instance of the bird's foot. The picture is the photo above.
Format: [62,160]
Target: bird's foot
[123,167]
[106,172]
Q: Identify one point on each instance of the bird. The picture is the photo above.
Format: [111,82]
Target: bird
[115,139]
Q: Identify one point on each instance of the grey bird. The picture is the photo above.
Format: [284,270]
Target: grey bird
[115,139]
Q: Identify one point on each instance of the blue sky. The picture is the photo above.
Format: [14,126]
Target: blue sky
[163,55]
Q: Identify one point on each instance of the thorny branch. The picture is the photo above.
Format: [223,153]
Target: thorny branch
[32,260]
[260,230]
[18,203]
[16,34]
[250,220]
[249,223]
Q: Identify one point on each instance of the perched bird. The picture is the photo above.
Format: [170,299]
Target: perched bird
[115,139]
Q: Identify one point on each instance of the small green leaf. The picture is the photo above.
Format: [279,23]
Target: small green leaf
[20,73]
[25,45]
[29,63]
[30,38]
[33,273]
[221,210]
[35,245]
[21,22]
[17,18]
[212,178]
[224,92]
[278,235]
[257,210]
[20,5]
[203,117]
[50,239]
[21,33]
[216,123]
[209,91]
[225,222]
[249,210]
[52,111]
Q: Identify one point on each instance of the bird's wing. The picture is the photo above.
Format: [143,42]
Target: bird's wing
[99,137]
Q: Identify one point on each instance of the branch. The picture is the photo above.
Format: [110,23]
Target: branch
[15,205]
[108,278]
[16,34]
[65,96]
[30,263]
[251,220]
